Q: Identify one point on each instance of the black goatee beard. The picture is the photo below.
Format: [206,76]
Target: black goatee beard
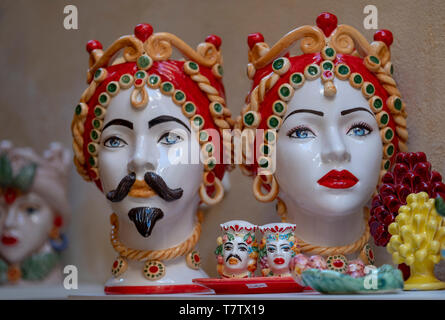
[145,218]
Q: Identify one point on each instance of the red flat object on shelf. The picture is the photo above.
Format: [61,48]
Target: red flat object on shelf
[251,285]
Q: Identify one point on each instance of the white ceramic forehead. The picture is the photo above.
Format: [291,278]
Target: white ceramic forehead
[279,227]
[158,105]
[238,226]
[311,96]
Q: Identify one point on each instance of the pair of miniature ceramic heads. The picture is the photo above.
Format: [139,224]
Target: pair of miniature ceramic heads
[238,250]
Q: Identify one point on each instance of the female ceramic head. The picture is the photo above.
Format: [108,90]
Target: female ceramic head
[277,248]
[333,118]
[33,207]
[144,133]
[237,250]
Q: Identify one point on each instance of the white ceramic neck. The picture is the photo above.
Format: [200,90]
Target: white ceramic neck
[167,232]
[323,230]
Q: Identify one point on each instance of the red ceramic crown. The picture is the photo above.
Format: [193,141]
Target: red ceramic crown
[411,174]
[327,22]
[143,31]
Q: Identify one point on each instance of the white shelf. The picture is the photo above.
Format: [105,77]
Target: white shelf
[95,292]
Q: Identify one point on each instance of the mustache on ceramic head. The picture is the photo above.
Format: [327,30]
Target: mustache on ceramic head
[234,256]
[153,180]
[145,218]
[122,189]
[159,186]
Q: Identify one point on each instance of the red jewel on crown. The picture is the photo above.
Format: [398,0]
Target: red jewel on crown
[327,22]
[143,31]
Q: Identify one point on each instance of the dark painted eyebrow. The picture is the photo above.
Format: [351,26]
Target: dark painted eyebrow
[348,111]
[119,122]
[162,119]
[318,113]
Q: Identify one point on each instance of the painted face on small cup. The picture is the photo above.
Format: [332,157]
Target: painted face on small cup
[237,242]
[329,150]
[279,240]
[155,140]
[25,225]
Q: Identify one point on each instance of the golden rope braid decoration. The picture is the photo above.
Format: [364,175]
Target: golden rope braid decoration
[144,255]
[153,268]
[343,250]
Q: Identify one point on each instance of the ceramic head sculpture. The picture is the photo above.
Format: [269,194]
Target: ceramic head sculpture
[34,212]
[277,249]
[405,218]
[237,250]
[134,133]
[333,120]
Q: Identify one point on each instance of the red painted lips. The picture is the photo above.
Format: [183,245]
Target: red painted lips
[9,241]
[335,179]
[278,260]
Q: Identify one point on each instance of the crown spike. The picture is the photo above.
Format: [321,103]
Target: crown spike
[384,36]
[254,38]
[327,22]
[143,31]
[215,40]
[93,45]
[94,48]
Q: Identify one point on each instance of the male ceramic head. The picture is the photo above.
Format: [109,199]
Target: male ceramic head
[33,202]
[141,119]
[237,250]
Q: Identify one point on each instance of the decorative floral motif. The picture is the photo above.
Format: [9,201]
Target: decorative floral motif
[193,260]
[337,263]
[119,267]
[154,270]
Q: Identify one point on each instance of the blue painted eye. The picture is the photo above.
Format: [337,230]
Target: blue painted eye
[170,138]
[114,142]
[360,130]
[301,133]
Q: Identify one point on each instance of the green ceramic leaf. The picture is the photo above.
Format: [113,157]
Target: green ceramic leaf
[230,236]
[38,266]
[440,206]
[25,177]
[5,171]
[219,250]
[3,272]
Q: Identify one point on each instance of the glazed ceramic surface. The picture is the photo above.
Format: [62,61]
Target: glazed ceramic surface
[143,133]
[316,144]
[237,251]
[385,279]
[33,212]
[277,249]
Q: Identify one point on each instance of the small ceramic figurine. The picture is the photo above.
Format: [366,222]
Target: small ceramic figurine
[237,250]
[34,212]
[404,217]
[277,248]
[333,120]
[134,132]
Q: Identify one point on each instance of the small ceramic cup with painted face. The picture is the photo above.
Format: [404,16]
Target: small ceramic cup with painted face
[237,250]
[277,249]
